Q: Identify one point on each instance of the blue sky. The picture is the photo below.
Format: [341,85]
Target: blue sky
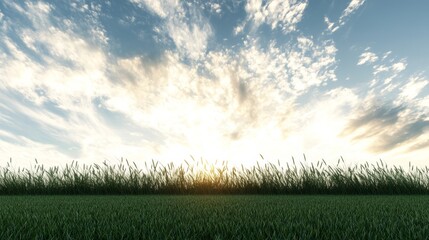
[222,80]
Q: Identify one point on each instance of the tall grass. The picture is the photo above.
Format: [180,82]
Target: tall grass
[199,177]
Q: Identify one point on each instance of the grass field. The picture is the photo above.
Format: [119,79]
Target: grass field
[56,203]
[200,177]
[214,217]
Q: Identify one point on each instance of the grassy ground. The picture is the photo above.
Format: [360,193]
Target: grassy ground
[200,177]
[214,217]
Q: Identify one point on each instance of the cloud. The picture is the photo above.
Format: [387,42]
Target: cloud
[191,39]
[216,8]
[367,57]
[91,89]
[386,127]
[391,118]
[186,26]
[46,127]
[28,150]
[413,88]
[386,71]
[239,28]
[235,98]
[376,118]
[331,25]
[423,103]
[398,125]
[353,6]
[64,93]
[162,8]
[69,68]
[294,69]
[284,15]
[399,67]
[57,91]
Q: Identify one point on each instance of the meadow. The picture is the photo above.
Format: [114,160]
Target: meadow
[214,217]
[198,200]
[202,177]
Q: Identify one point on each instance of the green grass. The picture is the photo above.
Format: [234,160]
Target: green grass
[233,214]
[200,177]
[214,217]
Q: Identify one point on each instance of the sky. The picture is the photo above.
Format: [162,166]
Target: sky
[220,80]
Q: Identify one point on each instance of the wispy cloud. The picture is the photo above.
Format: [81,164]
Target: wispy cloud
[294,69]
[388,127]
[69,67]
[163,8]
[367,57]
[413,88]
[216,8]
[58,88]
[385,70]
[284,15]
[236,99]
[399,124]
[332,27]
[186,26]
[65,91]
[353,6]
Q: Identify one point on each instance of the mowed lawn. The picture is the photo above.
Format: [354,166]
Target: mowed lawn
[214,217]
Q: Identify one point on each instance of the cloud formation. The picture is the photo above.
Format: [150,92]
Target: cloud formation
[353,6]
[284,15]
[398,125]
[367,57]
[67,91]
[185,25]
[389,127]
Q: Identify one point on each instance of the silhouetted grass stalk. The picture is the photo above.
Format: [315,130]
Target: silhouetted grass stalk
[200,177]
